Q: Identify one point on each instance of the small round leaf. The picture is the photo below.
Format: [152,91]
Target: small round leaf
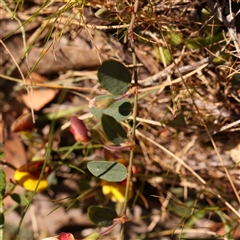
[113,130]
[109,171]
[105,13]
[114,77]
[20,199]
[101,216]
[166,56]
[177,122]
[120,109]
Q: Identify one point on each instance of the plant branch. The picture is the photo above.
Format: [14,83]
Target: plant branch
[135,109]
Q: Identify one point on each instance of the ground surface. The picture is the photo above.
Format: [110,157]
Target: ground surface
[187,137]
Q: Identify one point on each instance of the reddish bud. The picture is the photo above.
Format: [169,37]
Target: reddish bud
[62,236]
[66,236]
[135,169]
[79,130]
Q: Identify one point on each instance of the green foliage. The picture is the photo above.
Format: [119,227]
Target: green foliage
[215,39]
[111,110]
[113,130]
[211,22]
[165,56]
[200,42]
[103,101]
[223,57]
[195,43]
[2,192]
[93,236]
[106,104]
[1,154]
[174,36]
[20,199]
[2,220]
[109,171]
[211,29]
[114,77]
[101,216]
[2,183]
[105,13]
[177,122]
[235,80]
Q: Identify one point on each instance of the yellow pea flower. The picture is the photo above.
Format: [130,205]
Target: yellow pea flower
[116,190]
[27,176]
[79,130]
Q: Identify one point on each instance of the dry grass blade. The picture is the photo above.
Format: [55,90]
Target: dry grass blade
[189,169]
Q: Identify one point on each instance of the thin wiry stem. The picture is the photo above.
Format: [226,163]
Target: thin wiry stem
[135,109]
[3,188]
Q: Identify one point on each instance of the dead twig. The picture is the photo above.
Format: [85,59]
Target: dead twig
[218,9]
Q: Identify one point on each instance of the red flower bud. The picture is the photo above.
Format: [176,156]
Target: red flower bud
[62,236]
[79,130]
[66,236]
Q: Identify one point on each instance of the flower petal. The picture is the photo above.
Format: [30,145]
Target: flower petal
[115,191]
[29,181]
[79,130]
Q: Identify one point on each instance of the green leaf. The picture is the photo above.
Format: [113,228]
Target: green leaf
[113,130]
[166,55]
[105,13]
[235,81]
[20,199]
[93,236]
[175,37]
[103,101]
[2,220]
[212,24]
[223,57]
[109,171]
[118,109]
[101,216]
[196,43]
[2,183]
[2,154]
[114,77]
[177,122]
[214,39]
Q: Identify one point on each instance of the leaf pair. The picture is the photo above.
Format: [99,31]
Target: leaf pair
[111,109]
